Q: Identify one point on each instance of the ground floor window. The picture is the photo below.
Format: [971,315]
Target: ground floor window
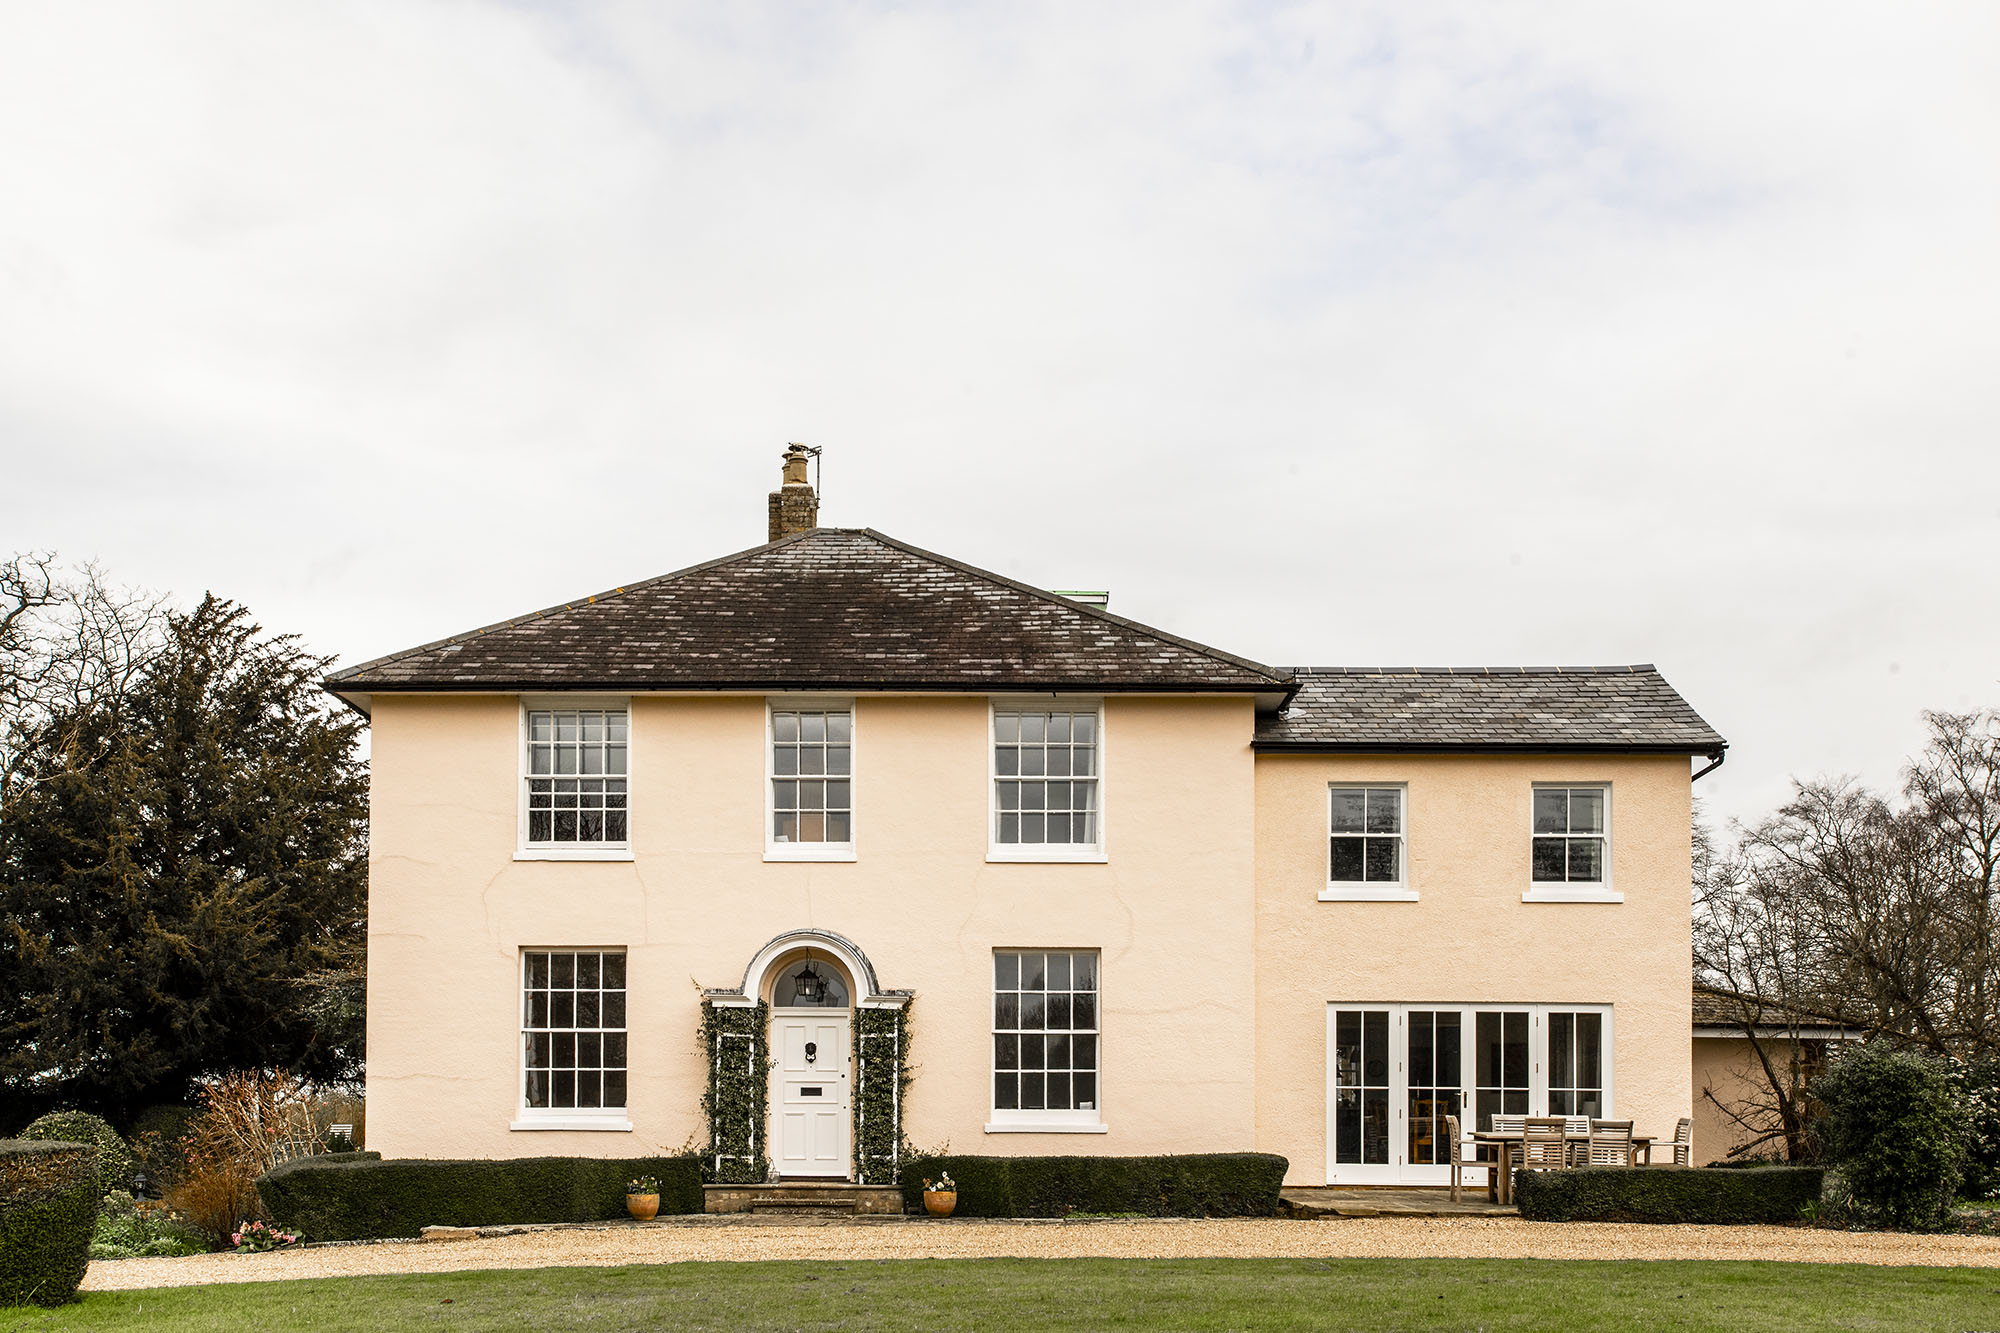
[1045,1035]
[1395,1071]
[573,1029]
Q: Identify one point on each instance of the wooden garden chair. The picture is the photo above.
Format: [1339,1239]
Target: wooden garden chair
[1684,1142]
[1544,1143]
[1458,1162]
[1610,1143]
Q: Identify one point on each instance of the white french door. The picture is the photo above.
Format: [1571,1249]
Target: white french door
[1395,1071]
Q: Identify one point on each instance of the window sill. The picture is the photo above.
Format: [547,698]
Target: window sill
[573,854]
[1553,893]
[601,1124]
[1045,856]
[1361,893]
[1046,1127]
[800,852]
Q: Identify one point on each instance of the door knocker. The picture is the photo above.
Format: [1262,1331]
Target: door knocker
[812,1051]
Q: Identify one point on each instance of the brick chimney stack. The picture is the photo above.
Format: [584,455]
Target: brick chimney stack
[794,506]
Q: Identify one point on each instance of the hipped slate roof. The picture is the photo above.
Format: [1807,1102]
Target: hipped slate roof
[1492,708]
[835,609]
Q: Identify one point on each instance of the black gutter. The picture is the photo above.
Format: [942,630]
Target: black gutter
[1715,759]
[336,685]
[1477,747]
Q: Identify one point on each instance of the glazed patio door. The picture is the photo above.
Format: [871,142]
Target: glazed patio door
[1395,1071]
[1362,1114]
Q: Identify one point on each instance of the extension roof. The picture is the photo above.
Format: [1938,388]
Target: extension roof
[830,609]
[1626,708]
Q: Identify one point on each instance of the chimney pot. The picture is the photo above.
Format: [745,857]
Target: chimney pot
[794,507]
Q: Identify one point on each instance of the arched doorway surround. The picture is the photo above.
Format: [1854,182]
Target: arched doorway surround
[772,1073]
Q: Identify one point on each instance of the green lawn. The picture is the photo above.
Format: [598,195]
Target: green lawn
[931,1294]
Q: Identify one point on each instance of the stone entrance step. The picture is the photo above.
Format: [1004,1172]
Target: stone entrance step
[803,1198]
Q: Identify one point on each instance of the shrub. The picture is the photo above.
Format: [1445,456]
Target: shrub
[159,1141]
[1664,1194]
[126,1231]
[1978,1086]
[1199,1185]
[1895,1131]
[115,1162]
[48,1206]
[361,1197]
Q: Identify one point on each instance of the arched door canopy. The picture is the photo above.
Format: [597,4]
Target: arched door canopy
[868,993]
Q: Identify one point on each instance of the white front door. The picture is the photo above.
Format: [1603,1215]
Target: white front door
[809,1089]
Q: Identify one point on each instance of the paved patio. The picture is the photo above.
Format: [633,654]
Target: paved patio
[1315,1201]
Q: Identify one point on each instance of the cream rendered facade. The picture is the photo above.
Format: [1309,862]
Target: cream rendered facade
[451,909]
[1468,940]
[1218,958]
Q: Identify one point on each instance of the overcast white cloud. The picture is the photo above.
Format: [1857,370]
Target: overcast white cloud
[1328,333]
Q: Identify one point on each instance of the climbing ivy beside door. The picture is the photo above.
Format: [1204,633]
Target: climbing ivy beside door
[739,1090]
[881,1080]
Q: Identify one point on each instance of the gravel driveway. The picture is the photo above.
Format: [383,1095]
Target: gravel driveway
[780,1238]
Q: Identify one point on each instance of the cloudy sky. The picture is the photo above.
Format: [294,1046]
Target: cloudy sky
[1338,333]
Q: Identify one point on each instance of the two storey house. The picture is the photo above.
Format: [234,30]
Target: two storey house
[1078,884]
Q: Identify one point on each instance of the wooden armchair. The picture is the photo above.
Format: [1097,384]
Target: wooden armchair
[1544,1143]
[1458,1163]
[1610,1143]
[1684,1142]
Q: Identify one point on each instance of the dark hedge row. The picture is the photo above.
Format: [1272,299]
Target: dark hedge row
[354,1198]
[1200,1185]
[1668,1194]
[48,1209]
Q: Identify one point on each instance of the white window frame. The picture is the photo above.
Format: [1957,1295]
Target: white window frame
[590,1119]
[811,851]
[1046,853]
[1380,891]
[525,850]
[1043,1122]
[1399,1171]
[1573,892]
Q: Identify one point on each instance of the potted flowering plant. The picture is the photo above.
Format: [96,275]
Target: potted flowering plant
[642,1198]
[255,1238]
[940,1195]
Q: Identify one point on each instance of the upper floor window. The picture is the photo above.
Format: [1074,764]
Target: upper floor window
[575,784]
[1046,772]
[812,782]
[1572,835]
[1366,856]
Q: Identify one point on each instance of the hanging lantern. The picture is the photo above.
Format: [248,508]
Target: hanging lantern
[811,988]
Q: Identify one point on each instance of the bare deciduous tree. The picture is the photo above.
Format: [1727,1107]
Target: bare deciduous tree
[1846,908]
[70,645]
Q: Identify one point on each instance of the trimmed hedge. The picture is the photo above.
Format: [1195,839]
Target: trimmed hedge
[1669,1194]
[361,1197]
[48,1212]
[1199,1185]
[115,1162]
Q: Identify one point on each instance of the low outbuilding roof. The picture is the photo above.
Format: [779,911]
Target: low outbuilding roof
[1629,708]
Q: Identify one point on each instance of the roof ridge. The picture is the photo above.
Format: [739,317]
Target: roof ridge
[619,591]
[1277,675]
[1627,669]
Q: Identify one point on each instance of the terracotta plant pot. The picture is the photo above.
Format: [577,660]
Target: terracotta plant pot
[642,1206]
[939,1203]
